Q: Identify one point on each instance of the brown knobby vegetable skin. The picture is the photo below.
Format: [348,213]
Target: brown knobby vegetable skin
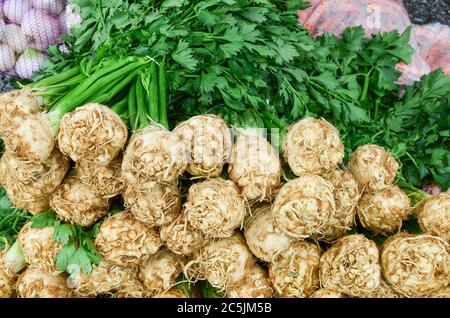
[304,207]
[39,248]
[208,141]
[327,293]
[36,283]
[107,278]
[351,266]
[346,196]
[294,272]
[384,291]
[28,183]
[223,262]
[93,133]
[124,241]
[16,106]
[313,146]
[383,211]
[181,238]
[74,202]
[255,168]
[263,238]
[7,280]
[25,130]
[160,271]
[373,167]
[416,265]
[433,215]
[445,293]
[256,284]
[153,203]
[153,154]
[215,207]
[105,180]
[173,293]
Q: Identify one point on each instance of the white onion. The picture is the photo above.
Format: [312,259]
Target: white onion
[15,38]
[7,58]
[41,29]
[53,7]
[29,62]
[2,27]
[70,18]
[15,9]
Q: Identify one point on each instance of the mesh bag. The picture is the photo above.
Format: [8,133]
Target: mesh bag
[375,16]
[434,45]
[27,29]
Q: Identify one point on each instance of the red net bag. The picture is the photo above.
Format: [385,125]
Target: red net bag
[434,45]
[375,16]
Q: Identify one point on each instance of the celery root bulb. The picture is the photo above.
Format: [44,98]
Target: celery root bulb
[33,138]
[107,278]
[92,132]
[416,265]
[327,293]
[122,240]
[208,141]
[6,280]
[351,266]
[215,207]
[39,248]
[159,272]
[223,262]
[153,154]
[36,283]
[304,206]
[301,258]
[383,211]
[255,168]
[264,239]
[181,238]
[105,180]
[74,202]
[153,203]
[16,106]
[373,167]
[30,183]
[256,284]
[27,131]
[313,146]
[346,196]
[434,216]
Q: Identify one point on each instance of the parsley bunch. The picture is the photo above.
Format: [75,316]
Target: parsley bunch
[78,252]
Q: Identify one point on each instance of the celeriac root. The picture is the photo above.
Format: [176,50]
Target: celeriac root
[92,133]
[124,241]
[294,272]
[208,141]
[255,168]
[416,265]
[74,202]
[351,266]
[153,154]
[153,203]
[373,167]
[313,146]
[215,207]
[264,239]
[304,207]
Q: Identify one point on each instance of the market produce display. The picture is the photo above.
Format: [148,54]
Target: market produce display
[222,148]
